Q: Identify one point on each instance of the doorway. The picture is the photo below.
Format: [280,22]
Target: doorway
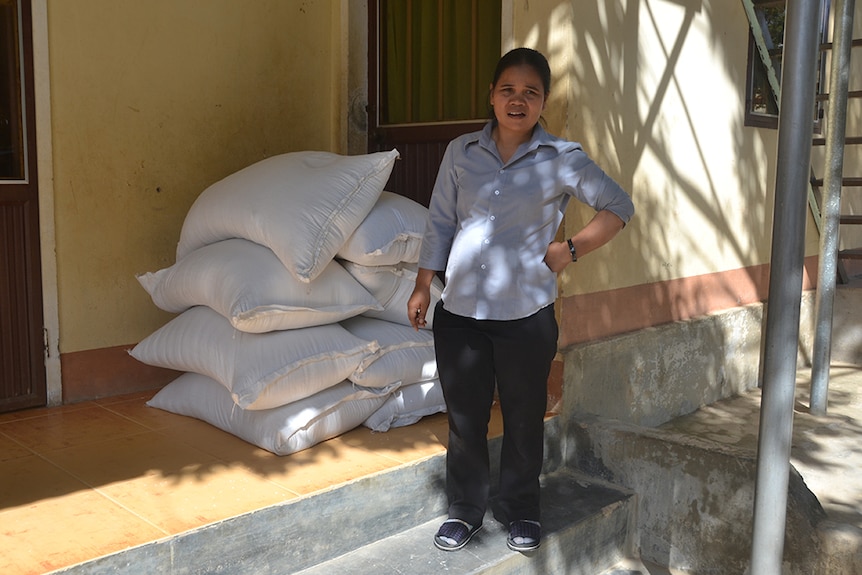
[430,65]
[22,348]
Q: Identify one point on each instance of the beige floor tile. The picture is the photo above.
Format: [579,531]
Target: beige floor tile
[324,465]
[414,442]
[180,503]
[48,519]
[67,428]
[11,449]
[171,484]
[212,440]
[40,411]
[137,410]
[125,458]
[403,444]
[139,397]
[495,425]
[56,532]
[28,480]
[321,466]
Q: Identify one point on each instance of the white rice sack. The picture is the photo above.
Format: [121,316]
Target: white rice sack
[282,430]
[246,283]
[392,286]
[301,205]
[392,233]
[261,370]
[407,405]
[405,355]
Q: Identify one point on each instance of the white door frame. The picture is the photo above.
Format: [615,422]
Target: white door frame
[45,166]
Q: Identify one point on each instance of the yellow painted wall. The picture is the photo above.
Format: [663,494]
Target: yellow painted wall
[154,100]
[655,91]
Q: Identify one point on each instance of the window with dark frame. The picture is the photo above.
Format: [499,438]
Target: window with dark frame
[761,105]
[12,155]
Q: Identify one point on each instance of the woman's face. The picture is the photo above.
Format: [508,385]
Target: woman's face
[518,98]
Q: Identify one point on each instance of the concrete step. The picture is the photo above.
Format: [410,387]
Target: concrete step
[586,531]
[639,567]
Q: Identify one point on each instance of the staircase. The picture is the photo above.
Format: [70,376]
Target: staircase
[850,186]
[850,256]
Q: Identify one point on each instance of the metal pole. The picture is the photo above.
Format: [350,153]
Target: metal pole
[795,122]
[827,272]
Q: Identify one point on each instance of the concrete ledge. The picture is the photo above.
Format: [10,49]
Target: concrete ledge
[695,497]
[847,326]
[651,376]
[841,552]
[654,375]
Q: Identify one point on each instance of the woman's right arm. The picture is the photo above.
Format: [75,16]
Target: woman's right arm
[420,299]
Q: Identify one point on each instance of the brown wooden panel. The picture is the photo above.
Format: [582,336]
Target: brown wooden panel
[421,148]
[109,371]
[415,172]
[22,372]
[22,359]
[420,155]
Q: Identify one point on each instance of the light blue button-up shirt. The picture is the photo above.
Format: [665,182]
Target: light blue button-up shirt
[490,223]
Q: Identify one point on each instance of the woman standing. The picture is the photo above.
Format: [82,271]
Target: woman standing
[498,201]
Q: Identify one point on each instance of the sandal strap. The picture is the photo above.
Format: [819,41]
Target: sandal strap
[455,529]
[526,529]
[461,521]
[454,534]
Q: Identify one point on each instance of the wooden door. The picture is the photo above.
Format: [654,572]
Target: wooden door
[430,65]
[22,361]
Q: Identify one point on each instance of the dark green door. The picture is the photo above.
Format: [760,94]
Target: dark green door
[430,65]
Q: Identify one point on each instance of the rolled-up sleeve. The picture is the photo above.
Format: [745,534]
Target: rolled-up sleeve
[592,186]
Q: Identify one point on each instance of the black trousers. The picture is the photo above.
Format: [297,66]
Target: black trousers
[472,357]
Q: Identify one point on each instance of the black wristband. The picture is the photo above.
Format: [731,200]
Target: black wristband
[572,250]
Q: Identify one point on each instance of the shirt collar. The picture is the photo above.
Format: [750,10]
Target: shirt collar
[539,138]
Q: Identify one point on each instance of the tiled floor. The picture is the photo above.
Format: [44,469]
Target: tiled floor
[85,480]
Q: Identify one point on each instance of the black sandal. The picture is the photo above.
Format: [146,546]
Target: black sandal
[454,534]
[524,535]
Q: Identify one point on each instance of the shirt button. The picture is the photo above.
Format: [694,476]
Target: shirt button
[493,218]
[482,266]
[487,241]
[496,192]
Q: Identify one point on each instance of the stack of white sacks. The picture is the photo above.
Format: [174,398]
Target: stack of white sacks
[291,284]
